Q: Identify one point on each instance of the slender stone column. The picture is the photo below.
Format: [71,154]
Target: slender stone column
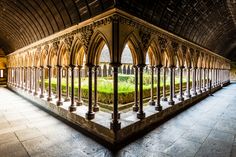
[49,83]
[181,98]
[79,101]
[22,78]
[194,82]
[72,106]
[30,77]
[188,95]
[95,107]
[59,77]
[67,84]
[35,81]
[90,114]
[115,124]
[204,80]
[152,102]
[164,85]
[158,103]
[135,107]
[208,78]
[212,77]
[42,82]
[200,80]
[171,101]
[141,113]
[26,78]
[173,77]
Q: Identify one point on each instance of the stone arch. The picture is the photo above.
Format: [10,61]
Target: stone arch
[97,42]
[36,55]
[63,56]
[52,56]
[154,48]
[135,48]
[44,56]
[77,53]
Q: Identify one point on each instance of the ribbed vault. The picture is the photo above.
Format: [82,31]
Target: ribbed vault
[209,23]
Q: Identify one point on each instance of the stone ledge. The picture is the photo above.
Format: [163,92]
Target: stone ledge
[130,125]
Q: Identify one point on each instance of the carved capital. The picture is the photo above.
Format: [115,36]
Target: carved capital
[162,43]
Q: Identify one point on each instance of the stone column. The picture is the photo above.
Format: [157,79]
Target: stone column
[90,114]
[171,101]
[152,102]
[181,98]
[26,78]
[194,81]
[42,82]
[22,77]
[95,107]
[204,80]
[135,107]
[212,77]
[59,77]
[188,95]
[158,103]
[79,101]
[49,83]
[200,80]
[30,77]
[67,84]
[35,81]
[164,85]
[141,113]
[173,77]
[72,106]
[115,124]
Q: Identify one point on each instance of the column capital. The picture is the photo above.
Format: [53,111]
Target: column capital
[49,66]
[59,66]
[159,66]
[115,64]
[89,65]
[141,65]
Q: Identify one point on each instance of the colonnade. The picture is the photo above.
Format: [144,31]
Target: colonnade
[168,55]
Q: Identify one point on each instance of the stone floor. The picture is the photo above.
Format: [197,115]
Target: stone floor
[206,129]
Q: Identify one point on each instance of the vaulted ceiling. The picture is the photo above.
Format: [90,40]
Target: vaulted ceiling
[209,23]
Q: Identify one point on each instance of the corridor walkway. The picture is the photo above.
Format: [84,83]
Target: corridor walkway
[206,129]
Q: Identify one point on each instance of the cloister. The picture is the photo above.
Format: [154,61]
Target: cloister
[115,75]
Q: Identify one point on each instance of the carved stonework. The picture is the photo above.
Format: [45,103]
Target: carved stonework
[85,36]
[55,46]
[145,38]
[175,46]
[162,43]
[68,42]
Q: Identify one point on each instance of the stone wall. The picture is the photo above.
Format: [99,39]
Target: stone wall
[233,71]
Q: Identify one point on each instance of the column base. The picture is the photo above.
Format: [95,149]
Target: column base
[59,103]
[49,99]
[200,91]
[203,90]
[171,102]
[151,102]
[72,108]
[194,93]
[115,125]
[30,91]
[79,103]
[26,89]
[188,96]
[141,115]
[163,99]
[118,115]
[90,115]
[35,93]
[181,98]
[95,108]
[158,108]
[135,108]
[67,99]
[175,96]
[41,96]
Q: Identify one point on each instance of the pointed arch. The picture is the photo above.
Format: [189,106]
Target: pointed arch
[77,53]
[97,42]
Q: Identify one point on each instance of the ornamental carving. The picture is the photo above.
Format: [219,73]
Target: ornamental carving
[145,38]
[162,43]
[85,36]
